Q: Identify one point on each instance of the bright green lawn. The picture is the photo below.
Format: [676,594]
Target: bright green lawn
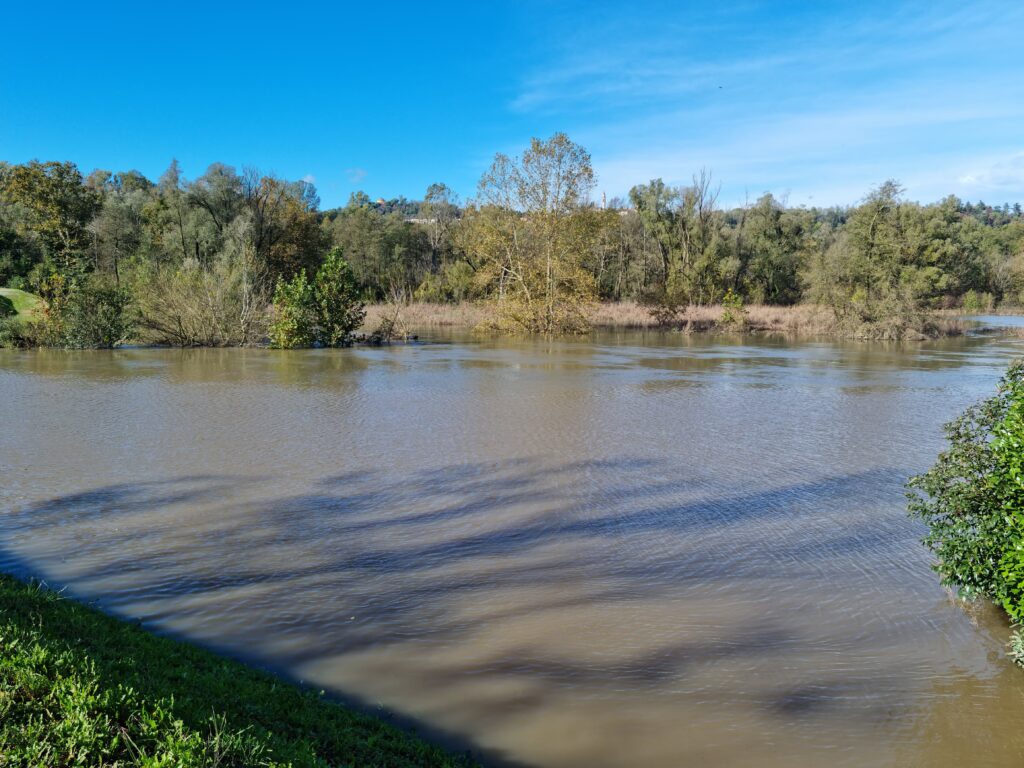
[78,687]
[24,303]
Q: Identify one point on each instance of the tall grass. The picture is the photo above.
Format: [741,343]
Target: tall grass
[804,319]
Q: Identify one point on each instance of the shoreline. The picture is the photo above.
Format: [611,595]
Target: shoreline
[143,693]
[795,320]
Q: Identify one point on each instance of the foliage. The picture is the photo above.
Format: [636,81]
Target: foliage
[78,687]
[975,301]
[57,209]
[89,314]
[16,333]
[18,313]
[219,302]
[339,311]
[529,232]
[973,499]
[532,245]
[733,315]
[323,312]
[1017,647]
[295,313]
[1007,484]
[454,283]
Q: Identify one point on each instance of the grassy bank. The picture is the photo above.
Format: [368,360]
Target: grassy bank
[23,303]
[803,319]
[78,687]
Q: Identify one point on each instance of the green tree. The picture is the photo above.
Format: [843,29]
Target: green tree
[339,311]
[324,312]
[531,231]
[90,314]
[58,208]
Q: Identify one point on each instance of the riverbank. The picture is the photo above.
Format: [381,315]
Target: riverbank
[80,687]
[799,320]
[24,304]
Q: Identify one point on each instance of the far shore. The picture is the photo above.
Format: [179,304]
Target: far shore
[802,319]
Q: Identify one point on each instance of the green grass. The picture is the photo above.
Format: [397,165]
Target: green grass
[24,303]
[81,688]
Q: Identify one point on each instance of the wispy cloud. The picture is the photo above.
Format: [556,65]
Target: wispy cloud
[823,110]
[1004,173]
[355,175]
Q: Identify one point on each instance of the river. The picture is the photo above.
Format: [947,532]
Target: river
[632,549]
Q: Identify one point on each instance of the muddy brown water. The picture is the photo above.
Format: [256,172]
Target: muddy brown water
[635,549]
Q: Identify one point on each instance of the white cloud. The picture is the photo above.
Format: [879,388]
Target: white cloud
[355,175]
[1003,173]
[823,114]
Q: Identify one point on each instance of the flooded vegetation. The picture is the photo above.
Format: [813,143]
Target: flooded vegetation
[631,548]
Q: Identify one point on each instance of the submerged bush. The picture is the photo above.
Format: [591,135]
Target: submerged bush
[323,312]
[973,499]
[89,314]
[15,332]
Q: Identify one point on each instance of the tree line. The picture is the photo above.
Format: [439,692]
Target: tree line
[199,262]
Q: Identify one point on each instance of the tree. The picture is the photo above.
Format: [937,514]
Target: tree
[440,209]
[286,231]
[323,312]
[59,208]
[531,229]
[339,310]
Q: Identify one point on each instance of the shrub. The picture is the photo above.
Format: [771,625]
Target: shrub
[978,302]
[323,312]
[973,499]
[454,283]
[7,307]
[733,314]
[223,304]
[339,310]
[15,332]
[294,323]
[90,314]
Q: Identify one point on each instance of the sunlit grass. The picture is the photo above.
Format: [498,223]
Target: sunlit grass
[24,303]
[78,687]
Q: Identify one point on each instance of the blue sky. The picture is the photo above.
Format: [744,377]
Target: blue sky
[815,102]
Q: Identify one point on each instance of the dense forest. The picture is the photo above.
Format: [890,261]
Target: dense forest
[115,255]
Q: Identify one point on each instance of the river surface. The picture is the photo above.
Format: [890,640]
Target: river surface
[636,549]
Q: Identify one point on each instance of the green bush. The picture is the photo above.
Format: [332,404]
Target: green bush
[339,309]
[7,307]
[90,314]
[973,499]
[294,323]
[323,312]
[978,302]
[454,283]
[733,313]
[14,332]
[1008,485]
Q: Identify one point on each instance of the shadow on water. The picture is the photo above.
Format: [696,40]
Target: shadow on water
[405,555]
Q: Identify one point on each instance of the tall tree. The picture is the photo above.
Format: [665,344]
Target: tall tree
[59,208]
[533,227]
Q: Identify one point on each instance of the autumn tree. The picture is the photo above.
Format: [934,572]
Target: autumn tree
[531,229]
[57,209]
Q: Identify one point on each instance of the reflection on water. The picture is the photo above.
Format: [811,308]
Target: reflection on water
[635,549]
